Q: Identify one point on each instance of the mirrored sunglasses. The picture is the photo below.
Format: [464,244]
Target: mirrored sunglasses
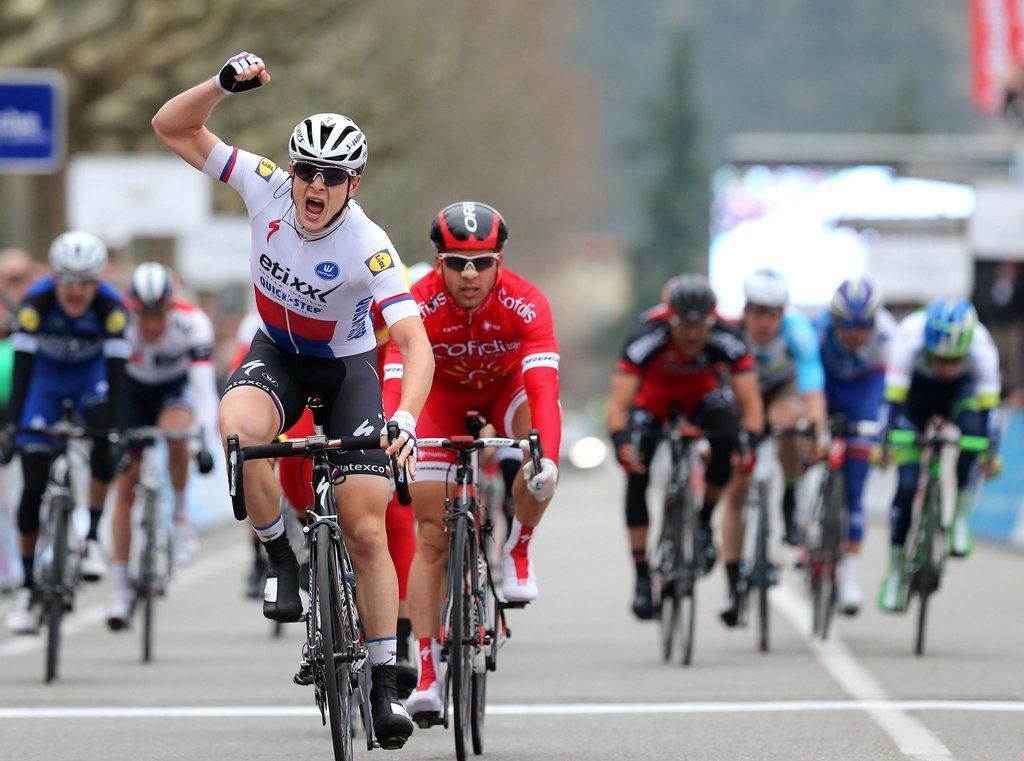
[458,263]
[331,175]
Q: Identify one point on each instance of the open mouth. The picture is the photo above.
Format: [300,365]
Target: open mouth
[314,208]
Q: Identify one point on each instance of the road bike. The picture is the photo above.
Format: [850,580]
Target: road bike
[925,547]
[473,625]
[676,565]
[154,555]
[827,527]
[335,653]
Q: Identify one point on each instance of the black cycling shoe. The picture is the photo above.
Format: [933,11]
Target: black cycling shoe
[405,679]
[643,599]
[281,596]
[730,611]
[304,676]
[391,724]
[707,555]
[794,533]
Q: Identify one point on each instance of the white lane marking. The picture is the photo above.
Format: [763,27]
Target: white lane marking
[911,736]
[534,709]
[95,614]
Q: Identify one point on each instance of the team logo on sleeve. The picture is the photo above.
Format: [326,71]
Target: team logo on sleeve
[326,270]
[379,262]
[265,169]
[28,318]
[116,321]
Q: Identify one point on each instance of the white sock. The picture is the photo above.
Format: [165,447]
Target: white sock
[382,652]
[271,531]
[119,572]
[179,505]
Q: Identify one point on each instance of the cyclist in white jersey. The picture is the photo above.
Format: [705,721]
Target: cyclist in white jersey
[317,263]
[170,377]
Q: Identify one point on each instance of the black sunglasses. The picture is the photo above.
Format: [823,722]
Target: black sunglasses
[458,263]
[331,175]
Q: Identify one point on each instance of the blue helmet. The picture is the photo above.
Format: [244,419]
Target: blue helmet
[949,328]
[855,303]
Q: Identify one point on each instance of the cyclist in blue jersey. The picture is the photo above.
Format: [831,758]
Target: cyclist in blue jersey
[785,349]
[69,345]
[856,337]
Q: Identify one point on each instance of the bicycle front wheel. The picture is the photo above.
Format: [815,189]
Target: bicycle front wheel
[763,566]
[54,584]
[926,574]
[669,569]
[460,633]
[335,646]
[147,577]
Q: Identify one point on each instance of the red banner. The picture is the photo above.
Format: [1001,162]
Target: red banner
[997,40]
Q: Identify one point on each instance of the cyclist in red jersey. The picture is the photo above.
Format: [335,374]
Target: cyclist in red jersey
[683,357]
[495,351]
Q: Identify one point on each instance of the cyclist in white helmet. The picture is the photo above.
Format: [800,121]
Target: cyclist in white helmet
[170,377]
[785,348]
[68,345]
[318,264]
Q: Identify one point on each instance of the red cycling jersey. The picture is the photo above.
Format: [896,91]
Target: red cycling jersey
[510,337]
[667,376]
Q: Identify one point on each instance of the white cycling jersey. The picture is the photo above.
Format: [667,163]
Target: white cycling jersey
[909,359]
[313,292]
[188,338]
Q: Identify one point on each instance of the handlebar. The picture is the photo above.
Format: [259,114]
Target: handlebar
[903,438]
[147,435]
[530,445]
[311,445]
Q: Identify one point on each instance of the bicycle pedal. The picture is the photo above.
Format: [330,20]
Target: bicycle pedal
[391,743]
[427,719]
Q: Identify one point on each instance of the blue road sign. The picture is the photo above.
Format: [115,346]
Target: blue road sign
[32,119]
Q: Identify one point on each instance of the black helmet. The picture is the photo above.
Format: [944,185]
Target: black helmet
[689,296]
[468,226]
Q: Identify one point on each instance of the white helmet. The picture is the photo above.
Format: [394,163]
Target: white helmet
[329,140]
[151,287]
[78,253]
[766,287]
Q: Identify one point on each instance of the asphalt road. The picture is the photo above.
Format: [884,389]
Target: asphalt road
[579,678]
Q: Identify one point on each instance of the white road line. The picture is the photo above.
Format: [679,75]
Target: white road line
[87,617]
[911,736]
[535,709]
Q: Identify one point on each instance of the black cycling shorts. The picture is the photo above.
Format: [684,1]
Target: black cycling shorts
[348,386]
[146,401]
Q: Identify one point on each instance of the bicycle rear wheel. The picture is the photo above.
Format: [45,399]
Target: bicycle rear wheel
[54,584]
[460,630]
[335,646]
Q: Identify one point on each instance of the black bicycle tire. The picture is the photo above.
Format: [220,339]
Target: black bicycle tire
[763,566]
[145,583]
[459,653]
[478,706]
[339,691]
[690,568]
[671,609]
[54,598]
[833,540]
[926,569]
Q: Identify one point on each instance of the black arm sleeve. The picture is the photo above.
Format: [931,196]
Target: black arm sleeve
[23,363]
